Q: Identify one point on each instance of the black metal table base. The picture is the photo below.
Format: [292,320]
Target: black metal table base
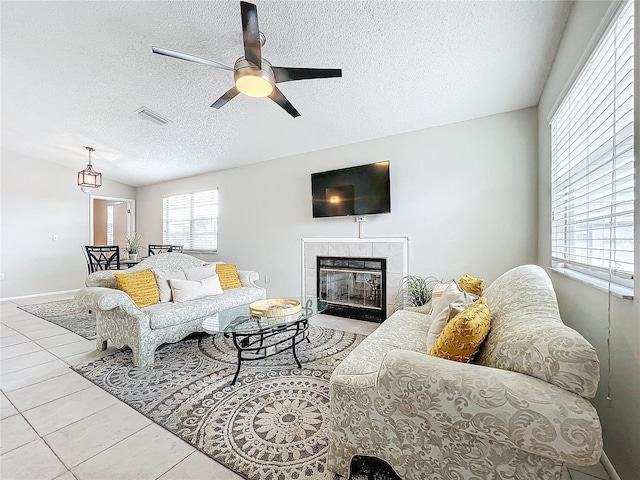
[269,342]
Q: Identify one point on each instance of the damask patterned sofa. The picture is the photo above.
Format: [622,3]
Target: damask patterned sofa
[519,412]
[120,321]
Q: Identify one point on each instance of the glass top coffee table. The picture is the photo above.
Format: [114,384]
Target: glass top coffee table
[258,334]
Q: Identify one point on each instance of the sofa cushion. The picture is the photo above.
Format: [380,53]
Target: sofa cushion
[426,308]
[528,336]
[163,315]
[140,286]
[461,338]
[403,330]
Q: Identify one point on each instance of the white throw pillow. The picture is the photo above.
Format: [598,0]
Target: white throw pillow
[444,297]
[200,273]
[183,290]
[162,279]
[452,302]
[436,293]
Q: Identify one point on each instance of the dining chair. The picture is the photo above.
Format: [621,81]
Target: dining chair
[101,257]
[155,249]
[86,257]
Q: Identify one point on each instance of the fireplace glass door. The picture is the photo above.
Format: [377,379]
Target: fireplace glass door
[352,287]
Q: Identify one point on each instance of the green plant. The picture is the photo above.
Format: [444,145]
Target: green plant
[414,291]
[133,243]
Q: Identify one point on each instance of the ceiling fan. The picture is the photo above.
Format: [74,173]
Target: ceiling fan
[255,76]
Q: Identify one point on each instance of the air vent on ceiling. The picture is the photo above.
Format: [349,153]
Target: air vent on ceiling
[152,116]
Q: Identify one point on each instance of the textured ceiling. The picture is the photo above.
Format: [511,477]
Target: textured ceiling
[73,74]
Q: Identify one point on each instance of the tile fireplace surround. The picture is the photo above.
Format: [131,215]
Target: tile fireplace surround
[394,250]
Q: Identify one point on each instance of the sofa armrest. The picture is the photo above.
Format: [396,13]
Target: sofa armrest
[248,278]
[100,298]
[509,407]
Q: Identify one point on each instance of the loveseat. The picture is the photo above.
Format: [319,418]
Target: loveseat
[518,411]
[120,321]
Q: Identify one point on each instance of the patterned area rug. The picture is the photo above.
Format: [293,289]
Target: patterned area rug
[272,424]
[66,314]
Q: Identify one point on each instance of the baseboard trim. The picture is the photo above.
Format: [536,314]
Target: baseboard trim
[608,466]
[35,295]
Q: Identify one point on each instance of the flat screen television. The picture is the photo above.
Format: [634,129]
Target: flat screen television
[361,190]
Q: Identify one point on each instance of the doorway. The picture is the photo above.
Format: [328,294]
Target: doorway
[111,220]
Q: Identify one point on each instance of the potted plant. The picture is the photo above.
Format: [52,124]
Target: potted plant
[133,246]
[414,291]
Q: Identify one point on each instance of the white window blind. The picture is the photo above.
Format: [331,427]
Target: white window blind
[191,220]
[109,224]
[592,162]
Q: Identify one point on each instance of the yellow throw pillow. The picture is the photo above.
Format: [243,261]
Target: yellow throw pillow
[228,274]
[471,284]
[140,286]
[463,335]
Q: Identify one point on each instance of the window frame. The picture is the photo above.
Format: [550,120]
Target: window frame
[621,284]
[188,248]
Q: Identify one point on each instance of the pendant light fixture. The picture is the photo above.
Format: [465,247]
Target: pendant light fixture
[89,177]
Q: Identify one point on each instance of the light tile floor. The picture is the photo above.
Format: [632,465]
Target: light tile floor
[54,424]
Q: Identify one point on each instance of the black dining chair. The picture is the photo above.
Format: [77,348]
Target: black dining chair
[101,257]
[86,257]
[155,249]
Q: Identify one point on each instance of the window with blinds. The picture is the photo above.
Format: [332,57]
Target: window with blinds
[191,220]
[592,162]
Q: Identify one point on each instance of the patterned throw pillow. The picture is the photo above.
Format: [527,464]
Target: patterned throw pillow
[471,284]
[140,286]
[228,273]
[463,335]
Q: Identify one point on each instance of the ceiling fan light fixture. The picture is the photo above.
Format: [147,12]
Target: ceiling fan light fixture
[89,177]
[254,86]
[253,81]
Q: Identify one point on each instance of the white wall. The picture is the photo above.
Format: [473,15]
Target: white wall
[465,193]
[583,307]
[41,199]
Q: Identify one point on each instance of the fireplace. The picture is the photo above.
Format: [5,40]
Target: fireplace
[353,287]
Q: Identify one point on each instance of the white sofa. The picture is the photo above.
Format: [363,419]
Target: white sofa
[518,412]
[120,321]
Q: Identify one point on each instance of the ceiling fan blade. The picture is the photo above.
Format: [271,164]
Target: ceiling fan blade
[191,58]
[287,74]
[281,100]
[232,92]
[251,33]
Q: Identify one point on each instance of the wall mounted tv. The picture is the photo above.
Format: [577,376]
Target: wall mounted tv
[361,190]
